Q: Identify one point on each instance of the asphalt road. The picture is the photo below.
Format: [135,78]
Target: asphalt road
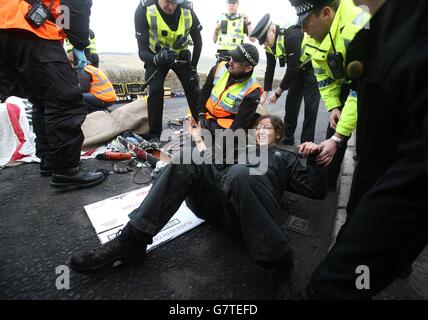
[41,227]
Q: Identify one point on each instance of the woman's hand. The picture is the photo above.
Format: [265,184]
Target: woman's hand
[309,148]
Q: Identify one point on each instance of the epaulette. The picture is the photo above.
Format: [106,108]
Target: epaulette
[187,5]
[146,3]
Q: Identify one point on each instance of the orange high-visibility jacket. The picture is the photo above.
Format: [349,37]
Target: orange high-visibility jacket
[101,86]
[12,16]
[224,102]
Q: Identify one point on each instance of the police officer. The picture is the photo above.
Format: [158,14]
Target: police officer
[162,29]
[90,51]
[299,80]
[231,93]
[388,221]
[331,25]
[32,54]
[230,30]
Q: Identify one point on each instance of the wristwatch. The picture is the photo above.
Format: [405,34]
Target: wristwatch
[339,141]
[277,95]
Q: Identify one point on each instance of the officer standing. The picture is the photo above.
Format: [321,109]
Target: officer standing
[299,80]
[91,50]
[32,54]
[388,221]
[331,26]
[230,30]
[162,30]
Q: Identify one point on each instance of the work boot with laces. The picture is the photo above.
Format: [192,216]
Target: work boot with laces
[125,248]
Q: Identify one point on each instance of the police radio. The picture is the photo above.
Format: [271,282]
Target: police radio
[335,62]
[38,13]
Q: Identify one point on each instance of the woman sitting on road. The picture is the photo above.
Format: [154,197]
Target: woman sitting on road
[230,197]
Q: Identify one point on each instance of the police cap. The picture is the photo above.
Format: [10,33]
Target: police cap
[305,7]
[261,29]
[246,53]
[232,1]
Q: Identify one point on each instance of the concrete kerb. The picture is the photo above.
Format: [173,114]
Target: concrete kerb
[344,188]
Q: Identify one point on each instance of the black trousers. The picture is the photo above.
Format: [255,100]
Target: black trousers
[304,87]
[232,200]
[386,233]
[190,82]
[41,68]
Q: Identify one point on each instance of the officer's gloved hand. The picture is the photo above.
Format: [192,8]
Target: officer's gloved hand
[81,58]
[202,121]
[165,57]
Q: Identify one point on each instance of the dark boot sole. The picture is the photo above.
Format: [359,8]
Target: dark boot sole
[109,264]
[76,185]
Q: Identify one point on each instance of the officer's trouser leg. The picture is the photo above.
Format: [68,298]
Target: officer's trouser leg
[386,233]
[198,183]
[190,84]
[41,67]
[312,101]
[336,163]
[258,213]
[155,100]
[292,107]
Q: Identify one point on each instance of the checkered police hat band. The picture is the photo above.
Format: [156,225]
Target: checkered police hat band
[305,7]
[247,55]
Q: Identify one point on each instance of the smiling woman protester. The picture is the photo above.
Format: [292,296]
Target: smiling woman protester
[227,196]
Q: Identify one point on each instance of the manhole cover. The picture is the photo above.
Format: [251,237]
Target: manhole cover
[298,225]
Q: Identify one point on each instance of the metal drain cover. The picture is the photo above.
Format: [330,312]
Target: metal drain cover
[298,225]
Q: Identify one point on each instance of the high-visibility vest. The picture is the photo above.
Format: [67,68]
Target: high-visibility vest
[224,102]
[12,16]
[348,21]
[92,45]
[161,35]
[101,86]
[234,35]
[279,48]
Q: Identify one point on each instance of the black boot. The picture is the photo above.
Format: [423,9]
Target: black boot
[125,248]
[406,272]
[76,178]
[44,169]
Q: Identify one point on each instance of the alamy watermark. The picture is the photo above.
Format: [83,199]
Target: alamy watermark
[362,281]
[62,281]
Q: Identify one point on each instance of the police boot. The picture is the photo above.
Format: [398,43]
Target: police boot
[125,248]
[44,169]
[76,177]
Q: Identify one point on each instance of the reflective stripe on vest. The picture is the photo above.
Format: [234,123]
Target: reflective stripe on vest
[101,86]
[12,16]
[279,48]
[224,102]
[92,45]
[234,35]
[161,35]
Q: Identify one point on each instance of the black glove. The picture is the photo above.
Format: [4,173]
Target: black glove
[165,57]
[202,121]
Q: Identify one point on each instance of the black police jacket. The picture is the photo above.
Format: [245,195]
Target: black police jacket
[78,33]
[392,91]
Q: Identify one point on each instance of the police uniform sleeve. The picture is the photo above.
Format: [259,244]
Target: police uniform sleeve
[195,33]
[293,42]
[78,33]
[270,71]
[142,34]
